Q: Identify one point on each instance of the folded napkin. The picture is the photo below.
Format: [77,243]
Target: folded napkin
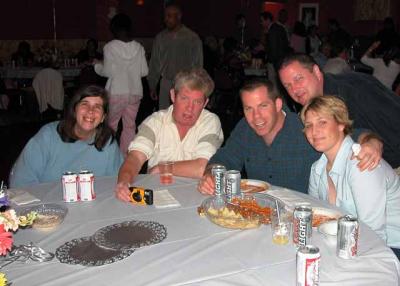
[163,199]
[21,197]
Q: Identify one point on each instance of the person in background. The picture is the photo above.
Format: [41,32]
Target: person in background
[337,63]
[276,40]
[124,64]
[282,20]
[313,41]
[297,39]
[371,105]
[23,56]
[185,133]
[268,143]
[387,36]
[174,49]
[89,53]
[373,197]
[240,34]
[81,141]
[387,67]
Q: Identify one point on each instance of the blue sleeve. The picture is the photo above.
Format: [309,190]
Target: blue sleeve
[369,193]
[31,163]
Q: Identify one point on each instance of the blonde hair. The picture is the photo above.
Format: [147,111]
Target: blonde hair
[194,79]
[329,105]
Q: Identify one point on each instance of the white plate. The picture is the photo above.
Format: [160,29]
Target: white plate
[259,186]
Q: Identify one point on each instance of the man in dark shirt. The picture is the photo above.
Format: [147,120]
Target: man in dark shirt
[371,105]
[276,40]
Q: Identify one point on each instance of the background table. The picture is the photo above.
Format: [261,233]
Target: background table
[29,73]
[195,252]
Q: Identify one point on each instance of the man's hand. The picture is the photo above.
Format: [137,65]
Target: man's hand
[370,154]
[154,170]
[206,185]
[122,192]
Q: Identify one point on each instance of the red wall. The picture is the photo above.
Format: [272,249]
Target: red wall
[32,19]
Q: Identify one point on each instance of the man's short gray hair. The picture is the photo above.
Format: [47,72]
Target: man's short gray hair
[194,79]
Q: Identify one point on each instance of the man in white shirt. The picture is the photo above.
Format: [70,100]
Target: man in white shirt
[185,133]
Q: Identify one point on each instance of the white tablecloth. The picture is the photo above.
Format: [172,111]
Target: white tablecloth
[195,252]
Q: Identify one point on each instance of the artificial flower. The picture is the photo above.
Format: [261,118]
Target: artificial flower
[3,279]
[9,219]
[28,219]
[6,240]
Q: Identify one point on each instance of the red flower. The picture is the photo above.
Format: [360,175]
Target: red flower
[6,240]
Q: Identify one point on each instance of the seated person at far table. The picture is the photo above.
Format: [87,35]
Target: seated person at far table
[185,133]
[373,197]
[269,143]
[81,141]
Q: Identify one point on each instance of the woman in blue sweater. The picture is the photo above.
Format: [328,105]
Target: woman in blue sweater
[81,141]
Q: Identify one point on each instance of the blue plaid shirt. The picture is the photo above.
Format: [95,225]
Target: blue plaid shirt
[287,162]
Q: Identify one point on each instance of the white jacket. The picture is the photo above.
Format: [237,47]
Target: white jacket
[124,65]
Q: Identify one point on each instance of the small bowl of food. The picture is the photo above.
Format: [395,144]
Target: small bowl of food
[48,215]
[329,230]
[244,212]
[322,215]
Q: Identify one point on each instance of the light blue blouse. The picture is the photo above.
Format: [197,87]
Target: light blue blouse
[372,196]
[46,157]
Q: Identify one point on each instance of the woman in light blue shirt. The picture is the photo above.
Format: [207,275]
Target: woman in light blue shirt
[374,196]
[81,141]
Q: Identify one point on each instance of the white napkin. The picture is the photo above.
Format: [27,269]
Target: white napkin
[21,197]
[163,199]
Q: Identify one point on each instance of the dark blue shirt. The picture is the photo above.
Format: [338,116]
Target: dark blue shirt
[372,106]
[287,162]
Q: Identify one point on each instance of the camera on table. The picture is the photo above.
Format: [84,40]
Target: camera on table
[141,196]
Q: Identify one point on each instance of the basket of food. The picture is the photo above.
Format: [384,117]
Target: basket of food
[244,212]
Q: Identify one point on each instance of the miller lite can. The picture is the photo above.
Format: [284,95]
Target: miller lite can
[86,186]
[307,266]
[302,225]
[218,173]
[232,184]
[70,186]
[347,237]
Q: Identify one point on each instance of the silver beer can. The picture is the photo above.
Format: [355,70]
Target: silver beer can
[302,225]
[86,186]
[307,265]
[347,237]
[70,186]
[218,173]
[232,184]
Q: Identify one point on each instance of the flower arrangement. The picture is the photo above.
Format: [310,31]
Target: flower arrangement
[10,222]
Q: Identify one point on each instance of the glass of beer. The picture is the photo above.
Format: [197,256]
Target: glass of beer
[281,225]
[166,171]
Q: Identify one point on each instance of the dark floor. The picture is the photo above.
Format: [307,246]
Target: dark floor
[18,126]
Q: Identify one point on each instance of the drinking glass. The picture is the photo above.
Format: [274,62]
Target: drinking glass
[166,171]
